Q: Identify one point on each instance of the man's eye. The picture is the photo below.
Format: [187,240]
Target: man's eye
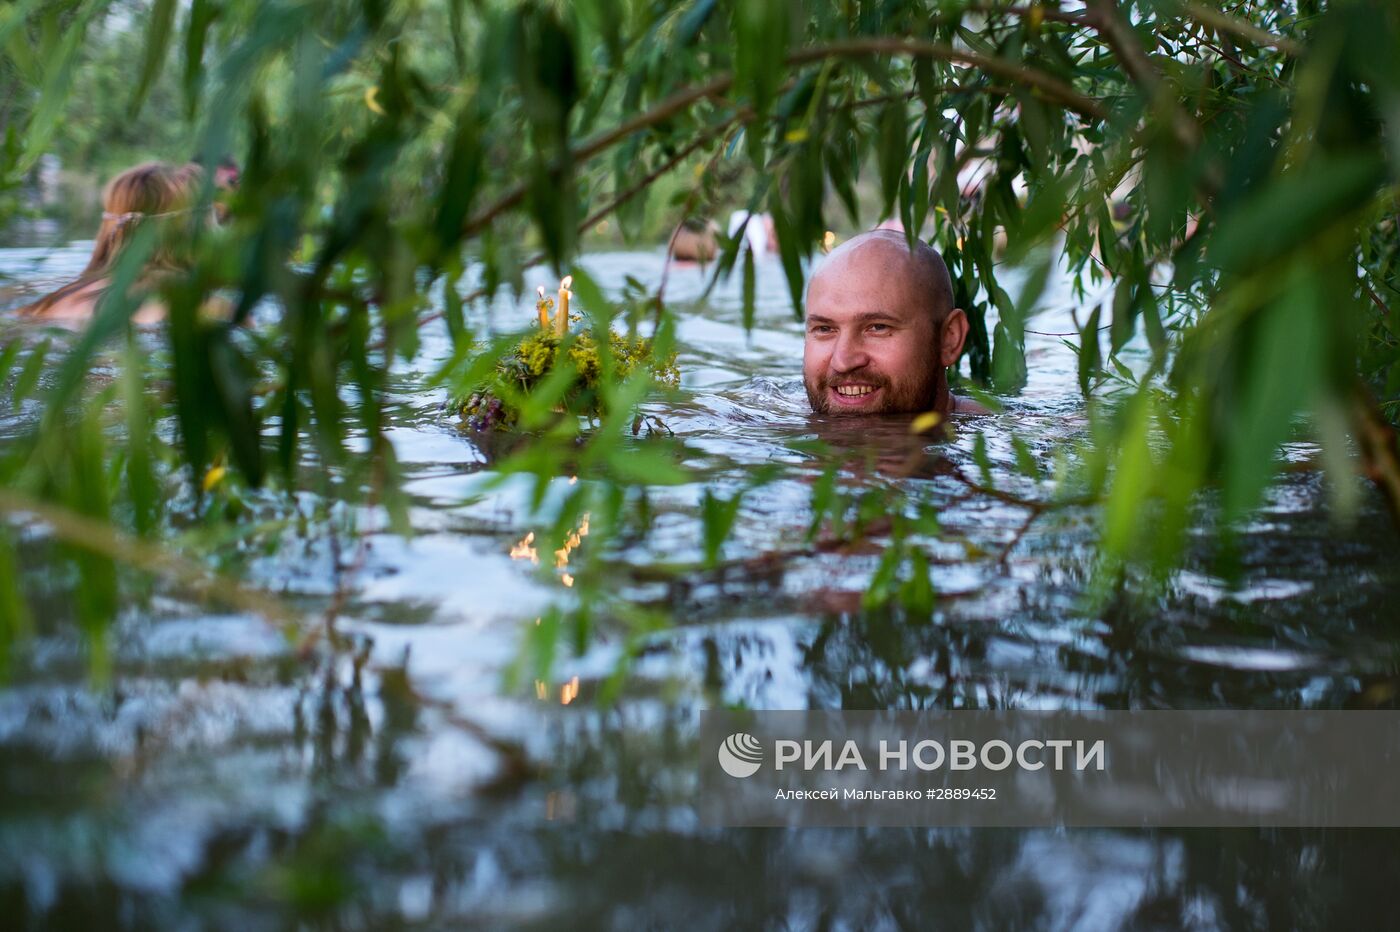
[821,328]
[879,328]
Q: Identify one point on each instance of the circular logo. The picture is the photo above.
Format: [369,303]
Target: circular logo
[741,755]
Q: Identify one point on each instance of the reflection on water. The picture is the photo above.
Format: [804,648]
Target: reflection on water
[224,781]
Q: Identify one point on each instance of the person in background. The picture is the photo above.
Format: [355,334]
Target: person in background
[695,241]
[760,235]
[227,174]
[151,193]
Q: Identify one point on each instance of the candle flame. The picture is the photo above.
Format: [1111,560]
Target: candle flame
[566,282]
[525,550]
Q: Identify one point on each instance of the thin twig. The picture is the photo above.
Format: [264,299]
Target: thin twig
[99,537]
[1375,298]
[1031,516]
[1028,12]
[1011,498]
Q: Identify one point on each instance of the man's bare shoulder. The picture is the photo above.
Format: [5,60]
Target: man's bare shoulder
[968,406]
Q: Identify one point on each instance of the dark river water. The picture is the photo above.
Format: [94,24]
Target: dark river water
[223,781]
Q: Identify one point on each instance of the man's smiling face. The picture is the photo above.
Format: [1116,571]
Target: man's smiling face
[872,345]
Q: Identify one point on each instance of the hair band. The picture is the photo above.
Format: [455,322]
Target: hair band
[136,215]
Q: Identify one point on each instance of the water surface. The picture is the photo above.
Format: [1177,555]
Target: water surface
[224,781]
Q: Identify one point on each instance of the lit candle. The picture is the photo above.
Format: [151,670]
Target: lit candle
[561,321]
[543,305]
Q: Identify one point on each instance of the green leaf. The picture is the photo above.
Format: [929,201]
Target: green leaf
[465,164]
[13,16]
[1089,359]
[594,303]
[692,22]
[7,358]
[87,494]
[58,82]
[202,16]
[842,162]
[140,440]
[1008,359]
[917,594]
[717,519]
[158,28]
[919,188]
[1280,373]
[645,465]
[1293,210]
[749,289]
[892,154]
[234,394]
[823,498]
[1025,459]
[982,459]
[760,50]
[16,623]
[1132,481]
[29,373]
[882,582]
[1125,311]
[13,40]
[452,309]
[789,251]
[541,643]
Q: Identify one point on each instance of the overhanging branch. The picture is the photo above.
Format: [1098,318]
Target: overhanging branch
[1051,87]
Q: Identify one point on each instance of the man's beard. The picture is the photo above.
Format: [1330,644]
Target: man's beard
[912,396]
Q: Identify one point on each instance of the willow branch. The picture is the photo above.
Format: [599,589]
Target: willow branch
[96,536]
[1051,87]
[1029,12]
[618,200]
[658,114]
[1114,29]
[1225,23]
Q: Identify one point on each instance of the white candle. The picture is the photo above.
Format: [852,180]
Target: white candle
[561,322]
[542,305]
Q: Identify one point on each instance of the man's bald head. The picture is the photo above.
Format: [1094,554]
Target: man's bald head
[881,328]
[886,255]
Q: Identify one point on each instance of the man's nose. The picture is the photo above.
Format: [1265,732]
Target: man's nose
[849,354]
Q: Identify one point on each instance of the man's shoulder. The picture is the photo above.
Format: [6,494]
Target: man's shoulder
[963,405]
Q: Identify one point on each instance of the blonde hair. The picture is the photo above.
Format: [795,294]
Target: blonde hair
[150,192]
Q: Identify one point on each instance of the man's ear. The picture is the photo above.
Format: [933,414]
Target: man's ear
[954,334]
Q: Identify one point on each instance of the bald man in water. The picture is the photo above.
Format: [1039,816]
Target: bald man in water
[882,330]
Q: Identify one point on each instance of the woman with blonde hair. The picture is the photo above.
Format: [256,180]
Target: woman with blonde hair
[155,192]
